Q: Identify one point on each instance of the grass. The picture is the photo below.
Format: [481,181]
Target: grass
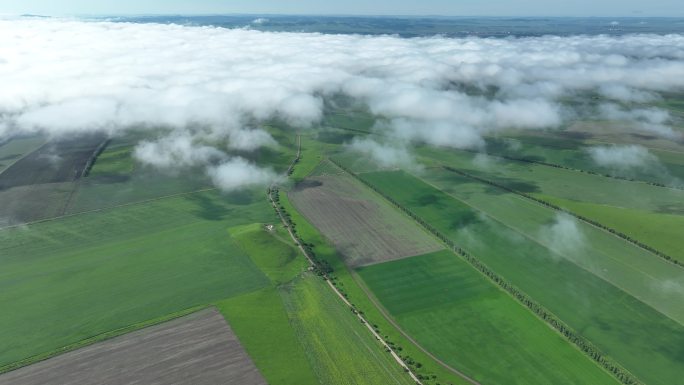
[467,321]
[621,326]
[67,280]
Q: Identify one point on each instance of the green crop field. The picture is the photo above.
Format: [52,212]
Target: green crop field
[615,203]
[297,331]
[340,348]
[69,279]
[453,311]
[662,231]
[630,268]
[617,323]
[346,281]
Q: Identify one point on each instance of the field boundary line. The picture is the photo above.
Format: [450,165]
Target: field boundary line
[101,337]
[24,156]
[145,201]
[390,319]
[585,346]
[591,222]
[313,263]
[579,170]
[534,240]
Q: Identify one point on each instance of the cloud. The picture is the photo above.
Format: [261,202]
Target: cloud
[210,87]
[651,120]
[623,158]
[564,237]
[176,151]
[385,155]
[237,173]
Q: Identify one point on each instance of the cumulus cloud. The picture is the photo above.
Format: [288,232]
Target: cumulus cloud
[177,150]
[623,158]
[385,155]
[209,87]
[237,173]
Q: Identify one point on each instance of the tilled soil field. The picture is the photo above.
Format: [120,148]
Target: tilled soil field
[199,349]
[363,227]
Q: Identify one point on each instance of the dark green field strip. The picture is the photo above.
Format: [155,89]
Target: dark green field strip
[461,317]
[621,326]
[70,279]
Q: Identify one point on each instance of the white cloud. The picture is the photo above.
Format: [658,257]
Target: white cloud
[212,85]
[176,150]
[385,155]
[623,158]
[237,173]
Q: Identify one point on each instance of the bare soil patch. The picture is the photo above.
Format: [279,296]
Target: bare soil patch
[57,161]
[362,226]
[199,349]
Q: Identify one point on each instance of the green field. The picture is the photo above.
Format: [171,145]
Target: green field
[66,280]
[346,282]
[453,311]
[568,151]
[595,196]
[259,318]
[621,326]
[296,330]
[662,231]
[340,348]
[628,267]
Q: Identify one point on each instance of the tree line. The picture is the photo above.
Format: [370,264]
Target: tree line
[533,161]
[584,345]
[580,217]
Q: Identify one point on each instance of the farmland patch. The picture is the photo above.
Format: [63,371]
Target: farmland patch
[363,227]
[196,349]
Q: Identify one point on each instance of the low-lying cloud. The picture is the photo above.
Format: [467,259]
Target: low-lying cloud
[564,236]
[209,89]
[623,158]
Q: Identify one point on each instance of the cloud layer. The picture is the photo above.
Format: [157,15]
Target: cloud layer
[208,85]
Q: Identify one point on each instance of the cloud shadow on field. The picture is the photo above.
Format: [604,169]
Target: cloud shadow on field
[208,208]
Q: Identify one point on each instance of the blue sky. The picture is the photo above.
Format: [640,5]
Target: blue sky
[361,7]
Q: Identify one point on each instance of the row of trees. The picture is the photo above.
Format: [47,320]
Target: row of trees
[325,270]
[534,161]
[580,217]
[592,351]
[91,161]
